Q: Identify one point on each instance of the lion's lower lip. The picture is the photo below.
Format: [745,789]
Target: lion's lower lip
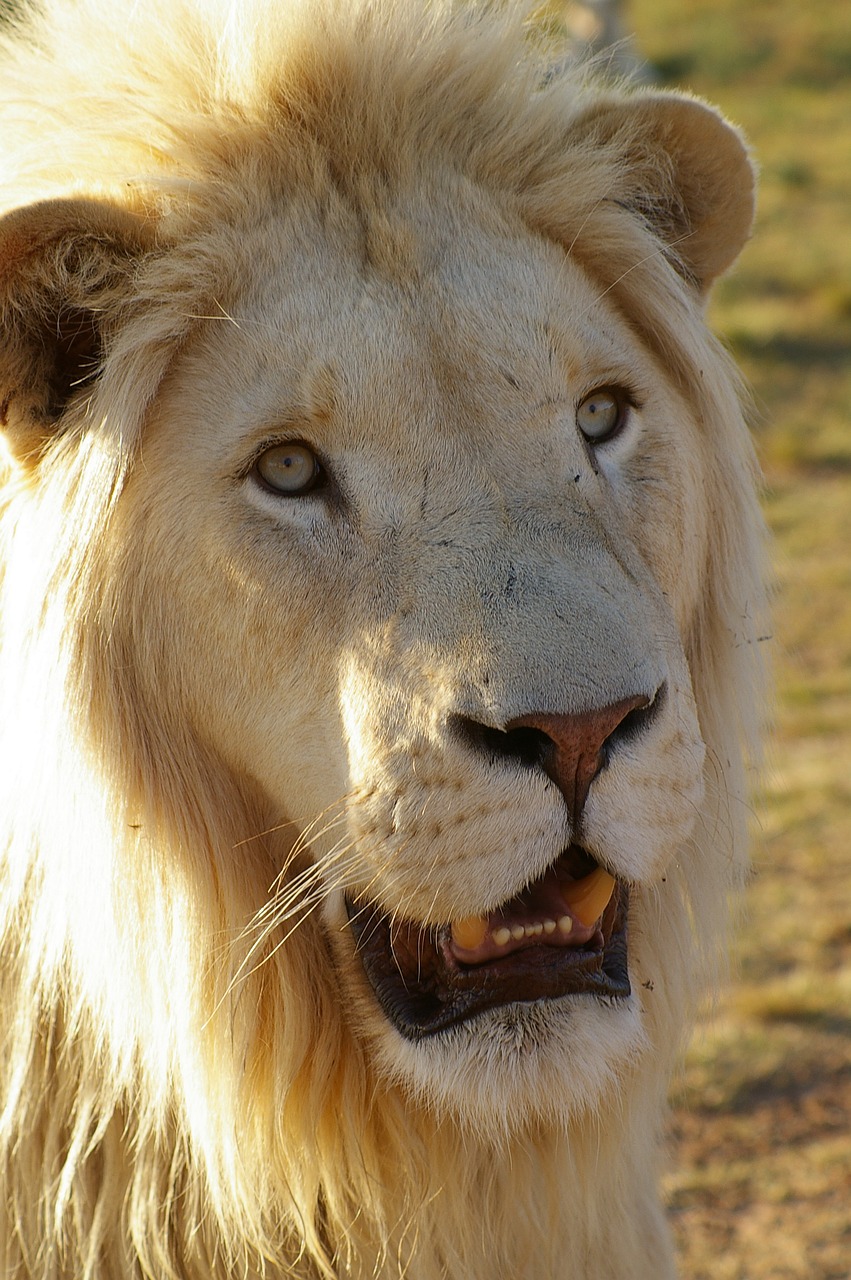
[423,985]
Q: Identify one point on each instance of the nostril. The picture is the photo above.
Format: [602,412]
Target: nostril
[570,748]
[636,721]
[526,745]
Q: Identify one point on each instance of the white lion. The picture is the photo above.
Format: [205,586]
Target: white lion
[381,584]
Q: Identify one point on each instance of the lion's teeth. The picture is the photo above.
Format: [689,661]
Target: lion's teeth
[584,897]
[470,932]
[589,897]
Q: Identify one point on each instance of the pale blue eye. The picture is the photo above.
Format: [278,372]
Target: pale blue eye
[288,469]
[600,415]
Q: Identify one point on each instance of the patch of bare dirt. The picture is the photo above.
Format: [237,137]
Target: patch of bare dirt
[762,1190]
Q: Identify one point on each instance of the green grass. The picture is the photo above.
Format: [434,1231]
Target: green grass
[761,1188]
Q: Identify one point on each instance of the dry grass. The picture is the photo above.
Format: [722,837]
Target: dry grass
[762,1133]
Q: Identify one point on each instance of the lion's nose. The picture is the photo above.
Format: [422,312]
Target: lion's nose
[570,748]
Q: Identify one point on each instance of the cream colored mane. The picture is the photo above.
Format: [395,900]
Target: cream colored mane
[180,1094]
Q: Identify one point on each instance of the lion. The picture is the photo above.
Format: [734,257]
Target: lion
[380,604]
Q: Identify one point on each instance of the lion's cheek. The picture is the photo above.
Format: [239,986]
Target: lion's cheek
[642,809]
[259,688]
[660,499]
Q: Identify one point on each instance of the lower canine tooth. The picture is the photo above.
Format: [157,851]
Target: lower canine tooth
[589,897]
[470,932]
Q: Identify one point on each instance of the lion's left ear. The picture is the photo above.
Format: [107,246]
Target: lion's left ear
[66,271]
[684,169]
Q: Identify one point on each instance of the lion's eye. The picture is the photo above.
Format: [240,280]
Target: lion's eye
[600,415]
[288,469]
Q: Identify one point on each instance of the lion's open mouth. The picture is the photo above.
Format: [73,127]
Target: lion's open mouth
[565,934]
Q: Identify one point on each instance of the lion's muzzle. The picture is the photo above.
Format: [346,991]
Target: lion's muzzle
[565,933]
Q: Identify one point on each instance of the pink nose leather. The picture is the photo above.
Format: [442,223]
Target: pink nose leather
[577,753]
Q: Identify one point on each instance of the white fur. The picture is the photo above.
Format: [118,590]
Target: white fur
[383,229]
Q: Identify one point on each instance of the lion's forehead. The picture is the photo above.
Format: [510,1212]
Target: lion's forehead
[408,323]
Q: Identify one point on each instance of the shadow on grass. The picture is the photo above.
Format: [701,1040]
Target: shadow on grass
[786,1088]
[798,1077]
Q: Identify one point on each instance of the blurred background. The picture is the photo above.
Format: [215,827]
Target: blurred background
[760,1181]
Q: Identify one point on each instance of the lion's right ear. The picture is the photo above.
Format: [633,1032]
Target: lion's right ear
[685,170]
[66,269]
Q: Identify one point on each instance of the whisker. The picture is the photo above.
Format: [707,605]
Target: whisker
[647,258]
[291,894]
[310,832]
[584,223]
[296,902]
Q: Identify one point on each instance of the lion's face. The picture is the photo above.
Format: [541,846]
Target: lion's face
[423,511]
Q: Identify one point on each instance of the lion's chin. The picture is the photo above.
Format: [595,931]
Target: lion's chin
[563,935]
[549,1063]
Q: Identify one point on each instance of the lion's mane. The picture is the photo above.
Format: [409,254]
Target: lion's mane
[178,1099]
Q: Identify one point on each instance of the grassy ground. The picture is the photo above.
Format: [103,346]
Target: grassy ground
[761,1187]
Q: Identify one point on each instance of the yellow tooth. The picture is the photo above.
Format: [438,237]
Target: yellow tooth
[588,898]
[470,932]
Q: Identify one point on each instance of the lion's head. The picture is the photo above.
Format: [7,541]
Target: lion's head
[378,642]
